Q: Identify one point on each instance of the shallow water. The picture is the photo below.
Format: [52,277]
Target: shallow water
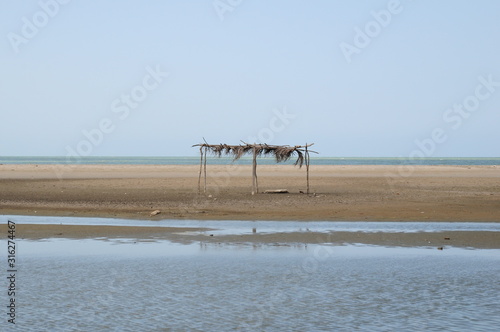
[124,285]
[231,227]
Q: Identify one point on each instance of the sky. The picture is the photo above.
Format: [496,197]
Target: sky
[408,79]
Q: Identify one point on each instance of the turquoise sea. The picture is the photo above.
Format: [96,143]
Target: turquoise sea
[245,161]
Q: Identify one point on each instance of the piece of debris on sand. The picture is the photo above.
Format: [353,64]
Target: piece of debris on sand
[154,213]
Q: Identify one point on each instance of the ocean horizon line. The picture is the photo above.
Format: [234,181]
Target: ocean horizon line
[194,160]
[209,156]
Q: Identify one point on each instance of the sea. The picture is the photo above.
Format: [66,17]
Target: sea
[130,284]
[244,161]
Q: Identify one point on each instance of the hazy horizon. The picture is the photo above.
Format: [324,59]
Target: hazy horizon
[249,157]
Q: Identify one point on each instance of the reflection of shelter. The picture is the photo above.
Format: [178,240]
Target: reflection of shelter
[280,152]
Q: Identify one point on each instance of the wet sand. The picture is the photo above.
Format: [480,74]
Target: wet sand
[461,239]
[345,193]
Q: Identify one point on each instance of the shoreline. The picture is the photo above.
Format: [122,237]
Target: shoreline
[338,193]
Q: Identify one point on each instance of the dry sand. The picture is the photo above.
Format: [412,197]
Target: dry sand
[357,193]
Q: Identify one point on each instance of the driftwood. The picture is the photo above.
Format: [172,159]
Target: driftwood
[280,152]
[276,191]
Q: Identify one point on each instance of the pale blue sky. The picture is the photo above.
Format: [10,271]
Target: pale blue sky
[273,71]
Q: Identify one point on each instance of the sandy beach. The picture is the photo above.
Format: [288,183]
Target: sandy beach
[350,193]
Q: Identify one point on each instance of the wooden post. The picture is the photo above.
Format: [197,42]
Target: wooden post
[307,169]
[205,167]
[255,188]
[256,178]
[201,167]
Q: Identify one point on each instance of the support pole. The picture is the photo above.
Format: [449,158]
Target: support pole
[256,178]
[201,167]
[255,188]
[307,169]
[205,167]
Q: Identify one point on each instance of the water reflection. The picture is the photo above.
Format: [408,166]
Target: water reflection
[231,227]
[124,284]
[156,247]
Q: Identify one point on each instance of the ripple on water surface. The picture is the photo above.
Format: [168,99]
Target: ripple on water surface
[129,285]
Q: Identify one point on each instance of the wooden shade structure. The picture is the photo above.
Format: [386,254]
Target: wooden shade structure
[280,152]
